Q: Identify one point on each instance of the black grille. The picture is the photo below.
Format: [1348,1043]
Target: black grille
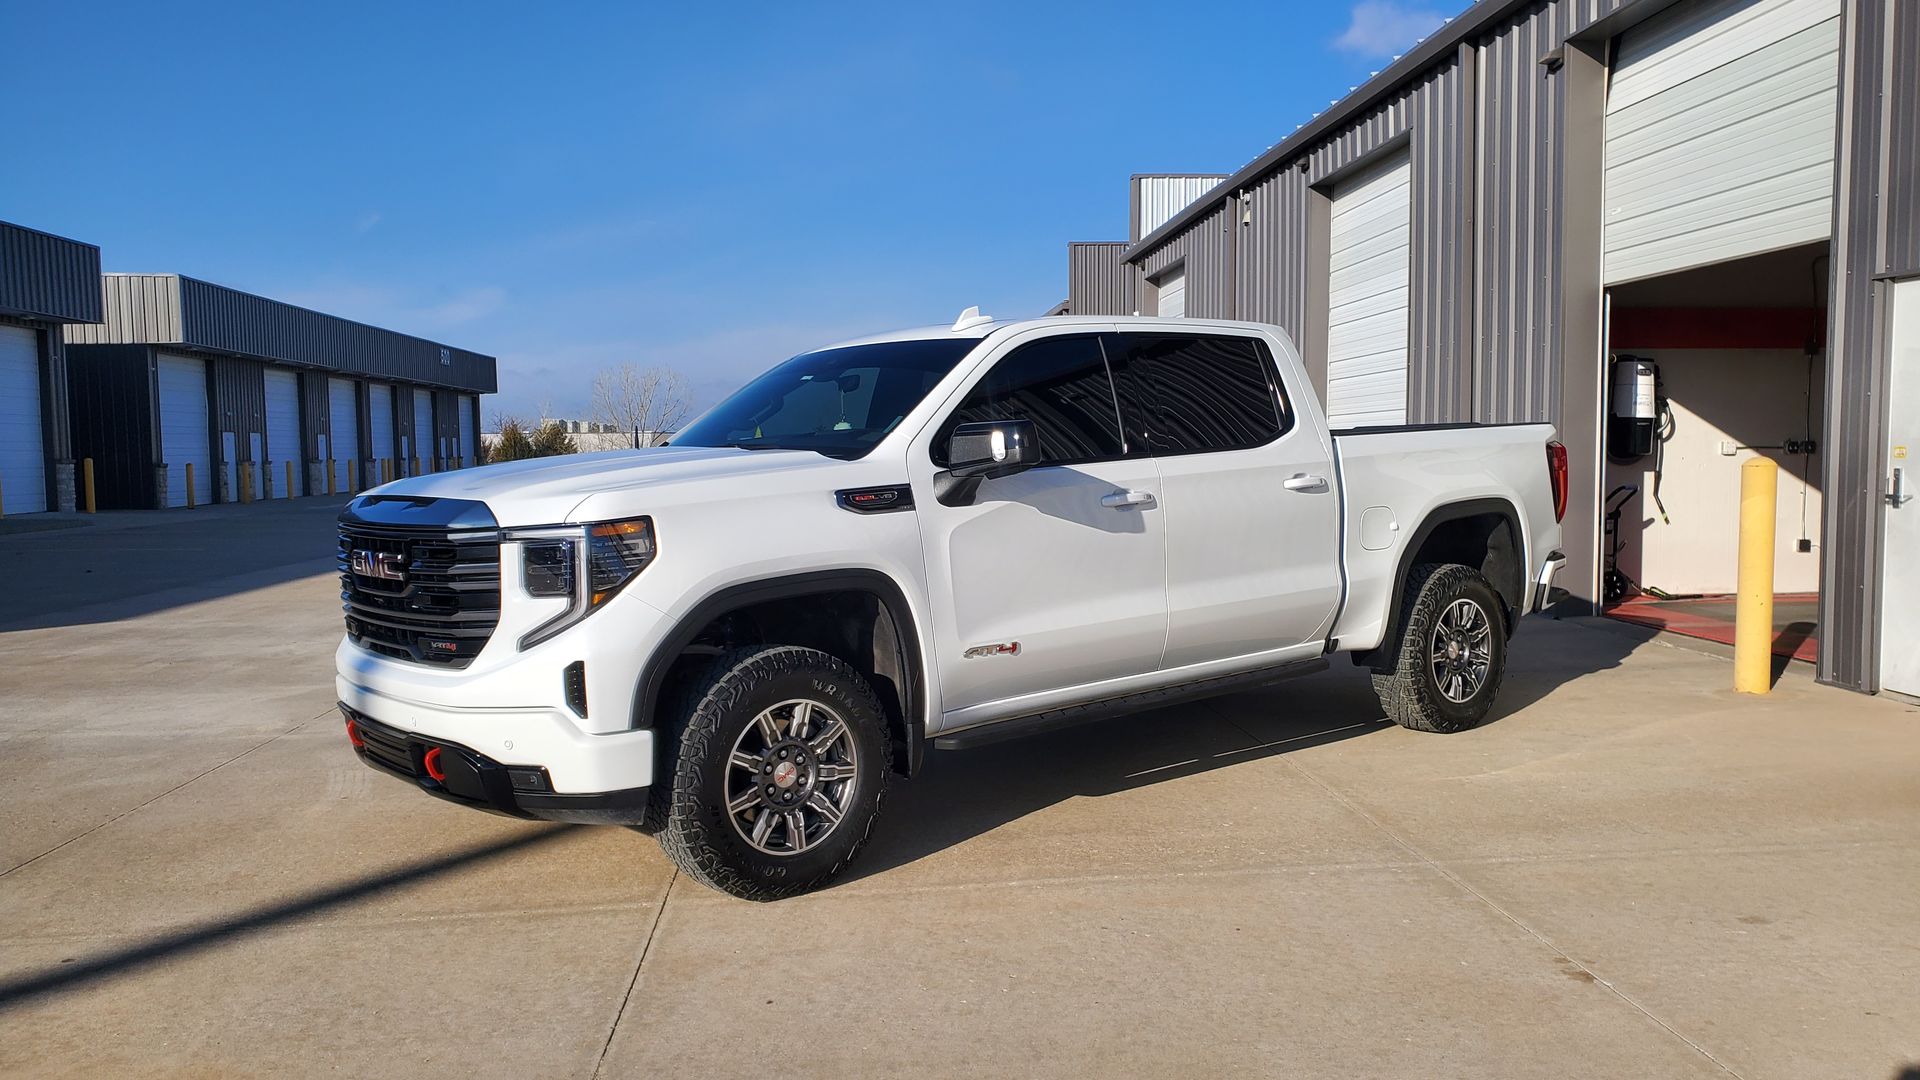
[441,609]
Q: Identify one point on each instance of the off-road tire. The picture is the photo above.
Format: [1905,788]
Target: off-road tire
[1409,692]
[687,800]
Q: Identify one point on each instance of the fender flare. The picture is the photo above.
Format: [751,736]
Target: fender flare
[913,696]
[1436,517]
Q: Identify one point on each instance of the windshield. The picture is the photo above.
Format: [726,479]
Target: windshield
[839,402]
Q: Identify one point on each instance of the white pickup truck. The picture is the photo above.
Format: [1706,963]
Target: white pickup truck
[932,538]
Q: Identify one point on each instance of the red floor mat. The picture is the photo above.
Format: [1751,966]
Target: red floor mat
[1710,618]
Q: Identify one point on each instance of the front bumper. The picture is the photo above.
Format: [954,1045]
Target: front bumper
[463,775]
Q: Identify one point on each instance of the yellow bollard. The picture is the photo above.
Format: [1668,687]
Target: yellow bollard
[3,502]
[246,481]
[416,466]
[330,477]
[289,493]
[190,500]
[350,464]
[1753,611]
[86,479]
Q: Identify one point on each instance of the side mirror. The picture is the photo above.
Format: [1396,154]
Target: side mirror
[982,451]
[994,448]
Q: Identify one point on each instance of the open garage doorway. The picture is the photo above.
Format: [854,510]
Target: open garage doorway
[1709,368]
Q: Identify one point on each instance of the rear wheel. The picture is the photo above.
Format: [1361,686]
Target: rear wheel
[776,777]
[1450,654]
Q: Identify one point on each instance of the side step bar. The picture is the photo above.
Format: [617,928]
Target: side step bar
[1073,715]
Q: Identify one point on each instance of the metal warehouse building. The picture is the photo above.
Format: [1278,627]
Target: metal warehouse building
[1713,203]
[262,399]
[45,281]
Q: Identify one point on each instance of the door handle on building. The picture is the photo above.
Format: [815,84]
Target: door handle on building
[1897,489]
[1304,482]
[1127,500]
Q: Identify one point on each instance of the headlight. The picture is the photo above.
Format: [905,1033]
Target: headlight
[587,565]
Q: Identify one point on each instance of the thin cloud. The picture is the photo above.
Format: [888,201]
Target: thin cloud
[1387,27]
[365,222]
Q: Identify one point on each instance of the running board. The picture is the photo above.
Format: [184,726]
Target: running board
[1074,715]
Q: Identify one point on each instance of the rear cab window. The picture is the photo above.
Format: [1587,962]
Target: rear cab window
[1197,393]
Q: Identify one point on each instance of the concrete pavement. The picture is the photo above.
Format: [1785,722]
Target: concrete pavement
[1630,872]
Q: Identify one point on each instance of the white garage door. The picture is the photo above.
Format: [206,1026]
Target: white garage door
[183,428]
[380,410]
[283,430]
[466,431]
[346,432]
[23,457]
[423,435]
[1369,264]
[1172,287]
[1720,133]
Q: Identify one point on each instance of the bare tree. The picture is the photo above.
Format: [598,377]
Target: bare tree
[652,401]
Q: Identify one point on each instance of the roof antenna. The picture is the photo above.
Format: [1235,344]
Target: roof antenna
[970,317]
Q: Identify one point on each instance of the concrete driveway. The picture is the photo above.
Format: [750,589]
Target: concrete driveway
[1631,872]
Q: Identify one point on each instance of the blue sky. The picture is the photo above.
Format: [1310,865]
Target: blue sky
[708,187]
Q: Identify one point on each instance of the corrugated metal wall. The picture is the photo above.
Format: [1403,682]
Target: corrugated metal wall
[1207,250]
[1099,281]
[136,309]
[1901,199]
[316,418]
[174,310]
[1156,197]
[1874,233]
[1518,209]
[48,277]
[239,405]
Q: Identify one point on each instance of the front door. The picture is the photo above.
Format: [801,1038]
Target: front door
[1900,576]
[1054,579]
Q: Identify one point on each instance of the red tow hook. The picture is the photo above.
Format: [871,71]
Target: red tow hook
[432,763]
[353,736]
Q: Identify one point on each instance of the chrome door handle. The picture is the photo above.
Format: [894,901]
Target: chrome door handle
[1303,482]
[1897,489]
[1127,500]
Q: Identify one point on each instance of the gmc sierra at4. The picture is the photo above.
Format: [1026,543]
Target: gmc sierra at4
[934,538]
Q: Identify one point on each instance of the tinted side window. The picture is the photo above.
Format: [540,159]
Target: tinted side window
[1059,383]
[1200,393]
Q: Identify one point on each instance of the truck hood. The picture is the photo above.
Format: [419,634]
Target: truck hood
[547,491]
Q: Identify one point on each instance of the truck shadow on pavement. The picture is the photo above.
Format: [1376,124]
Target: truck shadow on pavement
[959,795]
[76,972]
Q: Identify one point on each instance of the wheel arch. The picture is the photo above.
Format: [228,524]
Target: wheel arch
[1484,533]
[894,641]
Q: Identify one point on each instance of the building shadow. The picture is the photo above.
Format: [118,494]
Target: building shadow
[127,564]
[86,970]
[1786,643]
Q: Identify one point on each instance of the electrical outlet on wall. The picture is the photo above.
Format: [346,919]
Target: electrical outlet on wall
[1806,544]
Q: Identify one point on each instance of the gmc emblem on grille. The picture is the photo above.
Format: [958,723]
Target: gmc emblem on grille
[380,564]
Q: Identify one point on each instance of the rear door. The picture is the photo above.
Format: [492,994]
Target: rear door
[283,431]
[1247,491]
[1052,580]
[185,438]
[23,469]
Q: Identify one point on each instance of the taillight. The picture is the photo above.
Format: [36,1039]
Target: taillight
[1557,472]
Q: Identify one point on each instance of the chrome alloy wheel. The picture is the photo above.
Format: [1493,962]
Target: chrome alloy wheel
[790,777]
[1461,653]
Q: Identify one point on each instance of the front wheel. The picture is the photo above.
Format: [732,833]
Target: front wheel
[776,777]
[1450,654]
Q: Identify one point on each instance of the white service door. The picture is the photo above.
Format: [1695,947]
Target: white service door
[1720,134]
[466,431]
[1369,265]
[423,437]
[380,410]
[23,455]
[184,436]
[346,433]
[1900,571]
[283,430]
[1172,288]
